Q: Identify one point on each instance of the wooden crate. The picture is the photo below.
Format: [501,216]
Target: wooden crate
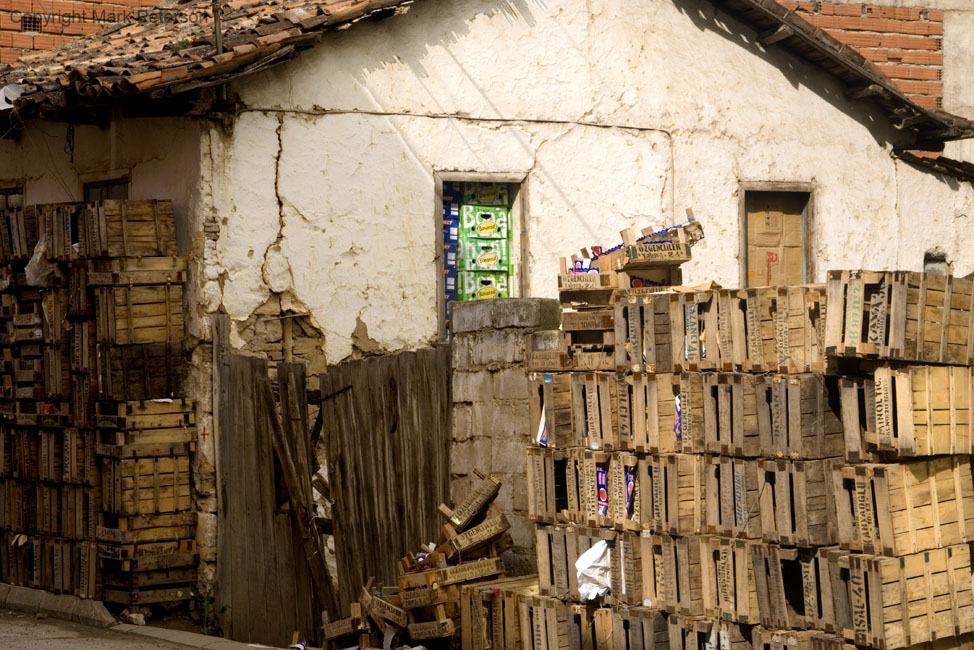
[595,409]
[556,552]
[738,415]
[545,468]
[797,502]
[141,314]
[650,325]
[922,410]
[759,311]
[57,372]
[679,506]
[799,326]
[633,628]
[636,570]
[767,639]
[19,232]
[59,223]
[705,633]
[123,228]
[68,456]
[806,418]
[136,486]
[737,598]
[634,558]
[706,320]
[64,567]
[140,372]
[545,624]
[551,409]
[732,329]
[69,511]
[900,315]
[732,494]
[778,578]
[127,271]
[139,529]
[624,491]
[650,416]
[590,330]
[147,414]
[698,410]
[898,509]
[144,595]
[689,577]
[490,613]
[585,289]
[899,602]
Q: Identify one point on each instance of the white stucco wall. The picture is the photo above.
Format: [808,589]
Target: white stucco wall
[616,115]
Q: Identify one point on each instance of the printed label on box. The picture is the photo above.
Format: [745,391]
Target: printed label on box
[485,255]
[475,286]
[485,222]
[486,194]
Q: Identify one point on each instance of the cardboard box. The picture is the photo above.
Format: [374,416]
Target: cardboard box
[451,231]
[476,285]
[451,255]
[485,255]
[486,194]
[451,210]
[450,279]
[484,222]
[451,191]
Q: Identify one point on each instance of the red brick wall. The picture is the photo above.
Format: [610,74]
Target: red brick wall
[61,21]
[905,42]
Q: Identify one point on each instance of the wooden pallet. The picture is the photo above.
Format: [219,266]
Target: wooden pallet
[898,509]
[136,486]
[732,495]
[140,314]
[899,602]
[797,502]
[128,229]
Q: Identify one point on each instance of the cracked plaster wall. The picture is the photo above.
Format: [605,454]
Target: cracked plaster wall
[616,115]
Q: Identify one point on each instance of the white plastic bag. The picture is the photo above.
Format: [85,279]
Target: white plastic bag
[38,269]
[593,568]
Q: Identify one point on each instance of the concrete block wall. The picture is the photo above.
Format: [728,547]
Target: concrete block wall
[491,405]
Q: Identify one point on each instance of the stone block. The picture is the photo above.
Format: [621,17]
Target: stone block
[206,527]
[463,422]
[489,347]
[508,456]
[472,386]
[22,599]
[528,313]
[522,531]
[543,340]
[508,418]
[519,561]
[470,455]
[511,383]
[505,496]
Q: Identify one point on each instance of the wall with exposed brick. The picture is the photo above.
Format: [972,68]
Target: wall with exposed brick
[27,25]
[905,42]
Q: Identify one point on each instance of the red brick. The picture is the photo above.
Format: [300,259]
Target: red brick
[927,101]
[826,9]
[5,39]
[21,40]
[910,43]
[875,25]
[4,5]
[790,5]
[920,87]
[858,39]
[849,10]
[896,13]
[935,15]
[913,72]
[9,56]
[20,5]
[873,54]
[44,42]
[916,57]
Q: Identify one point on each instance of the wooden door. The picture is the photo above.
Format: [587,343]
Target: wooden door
[775,233]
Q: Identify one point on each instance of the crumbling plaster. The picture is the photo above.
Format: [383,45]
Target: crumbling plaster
[615,114]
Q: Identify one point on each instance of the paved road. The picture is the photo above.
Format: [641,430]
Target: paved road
[25,632]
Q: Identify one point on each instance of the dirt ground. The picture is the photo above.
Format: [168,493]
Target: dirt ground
[26,632]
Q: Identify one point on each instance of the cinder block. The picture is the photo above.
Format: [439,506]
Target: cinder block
[529,313]
[508,456]
[473,454]
[507,418]
[463,422]
[511,383]
[472,386]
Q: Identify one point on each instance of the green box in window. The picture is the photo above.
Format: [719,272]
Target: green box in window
[477,285]
[485,255]
[484,222]
[486,194]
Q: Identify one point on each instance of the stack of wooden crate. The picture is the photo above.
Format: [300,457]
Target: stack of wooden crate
[766,466]
[95,444]
[425,605]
